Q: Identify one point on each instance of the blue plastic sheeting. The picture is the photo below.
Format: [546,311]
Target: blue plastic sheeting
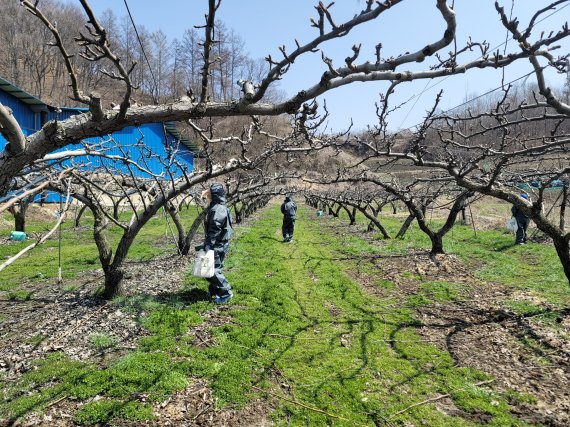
[556,184]
[157,148]
[146,145]
[51,197]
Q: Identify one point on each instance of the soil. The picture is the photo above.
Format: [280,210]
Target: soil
[523,353]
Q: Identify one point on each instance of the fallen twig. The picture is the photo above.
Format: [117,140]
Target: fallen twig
[320,411]
[201,412]
[55,402]
[433,399]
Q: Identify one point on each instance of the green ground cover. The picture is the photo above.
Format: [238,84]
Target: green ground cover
[78,250]
[491,254]
[302,333]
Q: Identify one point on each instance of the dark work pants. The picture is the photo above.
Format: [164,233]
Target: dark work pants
[219,285]
[288,228]
[522,225]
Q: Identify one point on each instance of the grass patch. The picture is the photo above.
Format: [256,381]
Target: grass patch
[411,275]
[20,295]
[101,342]
[524,307]
[302,322]
[520,398]
[36,340]
[104,411]
[154,374]
[300,328]
[78,250]
[441,291]
[532,267]
[385,284]
[491,254]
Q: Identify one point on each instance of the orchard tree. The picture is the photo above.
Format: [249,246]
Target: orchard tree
[417,194]
[498,153]
[512,146]
[94,41]
[363,199]
[131,180]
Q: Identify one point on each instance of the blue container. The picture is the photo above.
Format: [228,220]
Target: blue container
[18,236]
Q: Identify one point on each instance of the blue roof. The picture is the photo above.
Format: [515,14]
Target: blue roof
[35,104]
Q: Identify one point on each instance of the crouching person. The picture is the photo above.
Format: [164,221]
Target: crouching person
[218,232]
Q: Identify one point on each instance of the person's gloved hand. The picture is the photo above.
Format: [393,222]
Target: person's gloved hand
[198,248]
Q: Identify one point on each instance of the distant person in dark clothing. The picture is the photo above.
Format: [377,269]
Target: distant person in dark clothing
[218,232]
[289,211]
[522,222]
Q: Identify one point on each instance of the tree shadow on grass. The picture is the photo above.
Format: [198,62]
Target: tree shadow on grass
[270,238]
[451,324]
[186,296]
[365,257]
[505,247]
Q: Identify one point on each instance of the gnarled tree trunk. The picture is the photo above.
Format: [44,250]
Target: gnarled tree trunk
[79,215]
[562,246]
[192,232]
[405,226]
[19,212]
[374,220]
[113,283]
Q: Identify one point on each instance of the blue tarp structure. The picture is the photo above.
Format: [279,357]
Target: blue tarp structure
[149,144]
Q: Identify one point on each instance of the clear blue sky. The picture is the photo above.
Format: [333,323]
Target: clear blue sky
[264,25]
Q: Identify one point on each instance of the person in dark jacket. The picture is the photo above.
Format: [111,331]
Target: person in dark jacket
[289,211]
[218,232]
[522,222]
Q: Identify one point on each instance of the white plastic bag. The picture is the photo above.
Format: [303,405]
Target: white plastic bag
[204,264]
[512,225]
